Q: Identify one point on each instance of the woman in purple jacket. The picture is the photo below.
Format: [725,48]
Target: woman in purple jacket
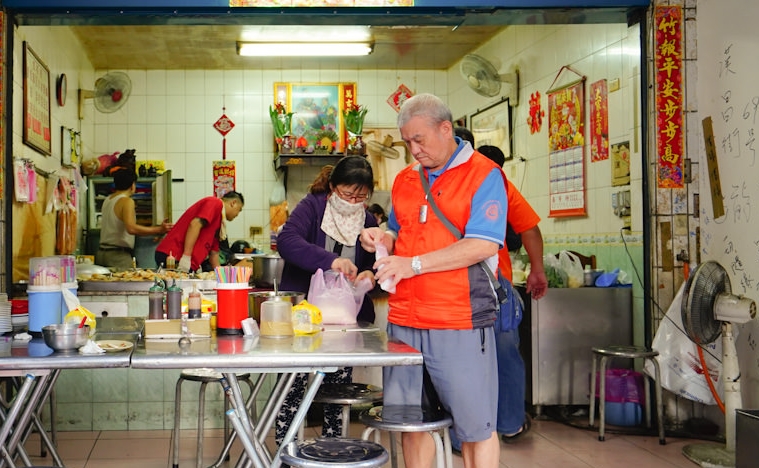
[322,232]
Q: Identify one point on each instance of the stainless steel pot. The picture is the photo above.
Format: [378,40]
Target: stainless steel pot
[266,268]
[255,299]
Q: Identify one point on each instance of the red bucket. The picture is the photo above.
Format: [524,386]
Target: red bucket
[231,307]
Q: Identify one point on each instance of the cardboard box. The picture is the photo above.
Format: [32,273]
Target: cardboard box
[173,328]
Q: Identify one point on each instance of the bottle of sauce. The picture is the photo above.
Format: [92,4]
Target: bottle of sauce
[174,301]
[156,295]
[194,303]
[171,262]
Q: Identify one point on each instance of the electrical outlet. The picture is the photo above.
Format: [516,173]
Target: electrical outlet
[256,231]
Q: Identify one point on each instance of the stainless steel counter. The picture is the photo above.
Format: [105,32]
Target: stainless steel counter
[35,355]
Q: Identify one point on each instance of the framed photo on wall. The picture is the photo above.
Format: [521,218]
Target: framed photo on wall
[37,132]
[492,126]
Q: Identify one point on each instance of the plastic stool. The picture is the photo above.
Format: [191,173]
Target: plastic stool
[628,352]
[347,394]
[334,452]
[400,418]
[205,376]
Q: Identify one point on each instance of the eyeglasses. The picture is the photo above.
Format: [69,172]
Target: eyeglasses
[358,197]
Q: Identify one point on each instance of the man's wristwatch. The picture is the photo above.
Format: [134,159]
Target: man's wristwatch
[416,265]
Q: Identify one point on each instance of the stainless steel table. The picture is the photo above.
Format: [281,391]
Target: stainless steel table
[335,347]
[38,368]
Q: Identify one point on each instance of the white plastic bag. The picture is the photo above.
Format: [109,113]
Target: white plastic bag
[681,370]
[338,300]
[572,266]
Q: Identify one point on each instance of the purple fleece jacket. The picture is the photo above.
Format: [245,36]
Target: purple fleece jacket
[301,244]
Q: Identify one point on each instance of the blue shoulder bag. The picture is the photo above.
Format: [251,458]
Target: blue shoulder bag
[511,307]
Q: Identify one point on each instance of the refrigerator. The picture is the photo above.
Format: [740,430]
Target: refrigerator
[152,199]
[557,334]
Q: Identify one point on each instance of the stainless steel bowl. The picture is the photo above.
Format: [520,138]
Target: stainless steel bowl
[65,336]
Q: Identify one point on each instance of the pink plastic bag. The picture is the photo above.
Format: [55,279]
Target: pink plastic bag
[338,299]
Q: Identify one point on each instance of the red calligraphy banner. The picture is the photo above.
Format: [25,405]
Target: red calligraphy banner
[668,63]
[599,123]
[348,99]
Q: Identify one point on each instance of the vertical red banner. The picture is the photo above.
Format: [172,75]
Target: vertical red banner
[668,63]
[599,123]
[348,99]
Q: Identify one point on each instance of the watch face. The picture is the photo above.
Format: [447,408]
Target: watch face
[61,89]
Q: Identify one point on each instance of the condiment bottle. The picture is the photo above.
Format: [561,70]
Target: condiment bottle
[156,295]
[174,301]
[194,303]
[276,318]
[171,262]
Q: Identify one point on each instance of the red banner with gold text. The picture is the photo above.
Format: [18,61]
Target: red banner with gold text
[668,63]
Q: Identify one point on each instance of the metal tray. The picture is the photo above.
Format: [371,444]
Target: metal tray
[141,286]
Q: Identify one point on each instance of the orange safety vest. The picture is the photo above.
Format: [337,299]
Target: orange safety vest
[455,299]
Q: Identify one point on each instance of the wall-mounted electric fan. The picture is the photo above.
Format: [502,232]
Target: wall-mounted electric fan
[483,78]
[110,93]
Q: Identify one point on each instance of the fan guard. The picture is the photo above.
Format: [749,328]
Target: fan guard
[704,285]
[383,149]
[483,78]
[110,94]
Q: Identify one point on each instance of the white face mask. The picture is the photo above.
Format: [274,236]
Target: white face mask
[344,207]
[343,220]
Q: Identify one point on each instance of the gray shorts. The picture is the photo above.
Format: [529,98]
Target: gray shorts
[463,369]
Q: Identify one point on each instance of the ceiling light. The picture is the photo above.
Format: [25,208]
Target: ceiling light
[301,49]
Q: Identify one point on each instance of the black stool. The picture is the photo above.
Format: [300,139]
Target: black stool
[334,452]
[347,394]
[398,418]
[206,376]
[627,352]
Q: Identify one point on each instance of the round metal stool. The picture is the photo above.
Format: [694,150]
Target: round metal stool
[627,352]
[348,394]
[401,418]
[334,452]
[205,376]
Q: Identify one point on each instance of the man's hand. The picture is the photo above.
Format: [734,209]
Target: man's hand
[185,263]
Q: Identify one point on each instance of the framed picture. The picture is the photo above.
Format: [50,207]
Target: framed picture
[36,103]
[317,112]
[492,126]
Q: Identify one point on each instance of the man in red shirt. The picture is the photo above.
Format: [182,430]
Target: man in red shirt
[197,233]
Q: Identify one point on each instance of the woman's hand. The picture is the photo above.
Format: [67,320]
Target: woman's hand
[366,274]
[346,267]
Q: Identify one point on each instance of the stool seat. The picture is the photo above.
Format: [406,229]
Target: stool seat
[347,394]
[334,452]
[626,351]
[604,353]
[408,418]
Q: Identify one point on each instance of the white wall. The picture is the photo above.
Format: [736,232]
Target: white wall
[599,51]
[170,116]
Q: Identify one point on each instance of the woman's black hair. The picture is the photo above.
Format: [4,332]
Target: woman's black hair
[350,170]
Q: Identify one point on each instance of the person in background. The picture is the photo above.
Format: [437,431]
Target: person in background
[197,233]
[513,421]
[322,232]
[444,304]
[118,226]
[379,214]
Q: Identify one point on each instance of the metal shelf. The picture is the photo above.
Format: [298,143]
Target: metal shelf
[294,160]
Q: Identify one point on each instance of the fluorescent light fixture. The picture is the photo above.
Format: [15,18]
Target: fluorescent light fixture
[303,49]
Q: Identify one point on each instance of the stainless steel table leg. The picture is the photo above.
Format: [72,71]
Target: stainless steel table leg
[255,389]
[300,415]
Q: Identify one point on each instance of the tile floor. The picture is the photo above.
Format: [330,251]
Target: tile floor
[548,444]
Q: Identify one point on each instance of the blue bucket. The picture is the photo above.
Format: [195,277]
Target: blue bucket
[44,306]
